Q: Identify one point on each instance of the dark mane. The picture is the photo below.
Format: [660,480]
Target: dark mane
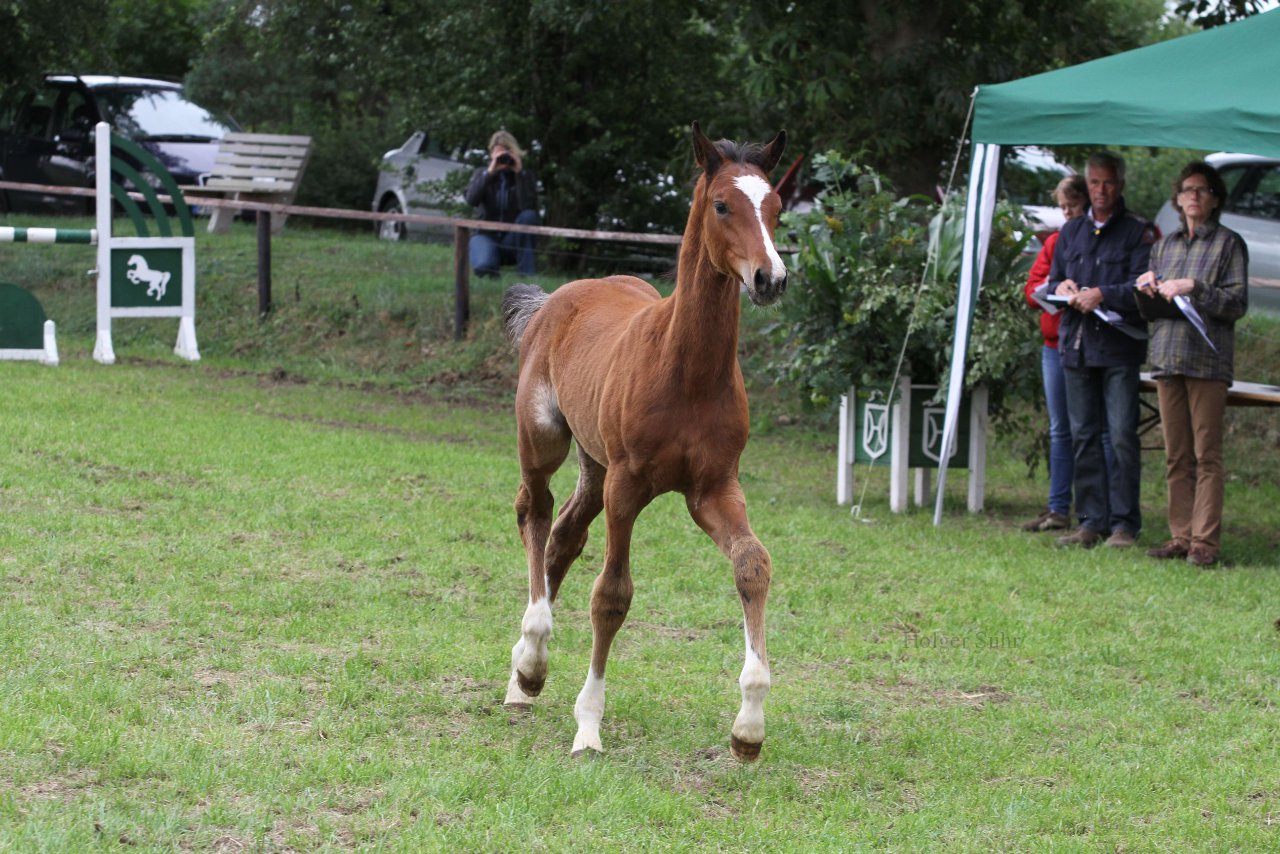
[741,152]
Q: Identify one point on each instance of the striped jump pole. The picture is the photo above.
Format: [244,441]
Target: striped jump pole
[9,234]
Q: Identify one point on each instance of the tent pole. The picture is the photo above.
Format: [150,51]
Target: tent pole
[978,212]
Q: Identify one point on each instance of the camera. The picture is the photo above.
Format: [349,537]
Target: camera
[505,159]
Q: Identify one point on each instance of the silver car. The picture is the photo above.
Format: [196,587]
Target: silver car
[405,185]
[1252,210]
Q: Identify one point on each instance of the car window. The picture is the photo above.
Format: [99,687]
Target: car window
[1028,176]
[159,113]
[8,111]
[36,115]
[1231,176]
[73,111]
[1262,198]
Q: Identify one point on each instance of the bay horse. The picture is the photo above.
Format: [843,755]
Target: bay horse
[651,391]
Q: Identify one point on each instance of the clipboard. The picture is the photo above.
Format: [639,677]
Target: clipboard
[1154,307]
[1049,303]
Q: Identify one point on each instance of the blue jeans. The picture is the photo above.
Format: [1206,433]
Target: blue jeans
[489,250]
[1105,400]
[1061,459]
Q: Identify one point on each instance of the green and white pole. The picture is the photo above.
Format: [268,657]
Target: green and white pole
[9,234]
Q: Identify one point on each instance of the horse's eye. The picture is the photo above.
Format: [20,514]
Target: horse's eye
[721,208]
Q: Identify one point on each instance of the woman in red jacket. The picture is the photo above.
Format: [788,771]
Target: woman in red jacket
[1072,195]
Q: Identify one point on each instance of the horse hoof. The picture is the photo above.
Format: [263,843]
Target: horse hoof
[532,687]
[586,754]
[744,751]
[519,707]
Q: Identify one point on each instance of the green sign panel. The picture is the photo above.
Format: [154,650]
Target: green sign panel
[873,431]
[146,278]
[21,319]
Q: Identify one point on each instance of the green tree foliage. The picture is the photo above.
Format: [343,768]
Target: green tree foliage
[155,38]
[335,71]
[1214,13]
[893,78]
[36,36]
[862,285]
[602,94]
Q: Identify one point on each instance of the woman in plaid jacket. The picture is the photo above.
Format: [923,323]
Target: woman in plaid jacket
[1201,268]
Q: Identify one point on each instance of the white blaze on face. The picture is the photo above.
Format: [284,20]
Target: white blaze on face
[756,189]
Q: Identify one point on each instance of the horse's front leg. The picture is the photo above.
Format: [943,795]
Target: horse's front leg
[610,601]
[723,515]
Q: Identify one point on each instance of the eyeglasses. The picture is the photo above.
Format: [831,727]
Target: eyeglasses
[1198,191]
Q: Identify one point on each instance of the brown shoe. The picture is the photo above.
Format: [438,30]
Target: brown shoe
[1034,525]
[1120,539]
[1084,537]
[1055,522]
[1201,555]
[1172,549]
[1047,521]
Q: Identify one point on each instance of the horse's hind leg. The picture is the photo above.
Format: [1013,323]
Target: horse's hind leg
[723,515]
[543,446]
[569,533]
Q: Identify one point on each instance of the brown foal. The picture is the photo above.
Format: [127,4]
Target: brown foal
[651,390]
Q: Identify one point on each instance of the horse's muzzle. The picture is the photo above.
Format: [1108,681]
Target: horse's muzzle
[765,289]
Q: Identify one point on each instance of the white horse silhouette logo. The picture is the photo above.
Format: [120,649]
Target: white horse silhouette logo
[139,272]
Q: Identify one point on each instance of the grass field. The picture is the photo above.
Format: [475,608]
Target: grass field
[266,603]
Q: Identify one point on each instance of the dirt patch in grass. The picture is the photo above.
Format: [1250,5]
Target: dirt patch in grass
[467,688]
[210,679]
[103,472]
[487,390]
[64,788]
[341,424]
[666,632]
[908,690]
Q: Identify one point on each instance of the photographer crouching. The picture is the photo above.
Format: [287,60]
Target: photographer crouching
[504,191]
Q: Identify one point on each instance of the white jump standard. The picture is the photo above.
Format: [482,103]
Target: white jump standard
[142,276]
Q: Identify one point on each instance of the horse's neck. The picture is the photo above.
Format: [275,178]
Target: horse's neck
[702,336]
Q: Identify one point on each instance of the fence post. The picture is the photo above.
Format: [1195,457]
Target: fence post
[264,263]
[461,282]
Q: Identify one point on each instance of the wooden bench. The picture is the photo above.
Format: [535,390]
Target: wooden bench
[255,167]
[1238,394]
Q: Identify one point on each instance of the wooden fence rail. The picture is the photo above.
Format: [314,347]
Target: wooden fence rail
[462,229]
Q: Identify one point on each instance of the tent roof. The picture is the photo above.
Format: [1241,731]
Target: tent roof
[1218,89]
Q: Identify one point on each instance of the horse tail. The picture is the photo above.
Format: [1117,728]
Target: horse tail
[519,304]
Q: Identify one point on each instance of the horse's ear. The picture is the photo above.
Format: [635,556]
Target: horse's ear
[772,152]
[704,151]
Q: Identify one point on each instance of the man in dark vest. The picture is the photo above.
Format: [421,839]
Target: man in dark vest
[1102,342]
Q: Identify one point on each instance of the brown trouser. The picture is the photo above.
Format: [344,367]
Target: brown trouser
[1192,413]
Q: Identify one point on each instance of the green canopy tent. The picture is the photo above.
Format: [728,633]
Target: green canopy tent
[1217,89]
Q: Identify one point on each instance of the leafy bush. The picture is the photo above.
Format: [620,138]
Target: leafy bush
[867,276]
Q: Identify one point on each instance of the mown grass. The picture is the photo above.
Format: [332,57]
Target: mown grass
[266,602]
